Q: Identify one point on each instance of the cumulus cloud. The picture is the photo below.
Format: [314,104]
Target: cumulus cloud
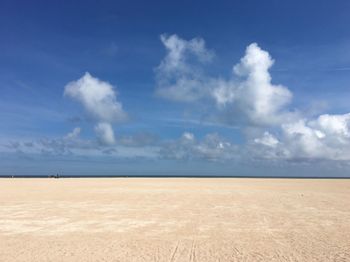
[99,99]
[247,99]
[248,94]
[178,76]
[267,140]
[334,125]
[253,93]
[326,137]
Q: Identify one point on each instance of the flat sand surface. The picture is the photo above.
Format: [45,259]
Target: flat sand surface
[174,219]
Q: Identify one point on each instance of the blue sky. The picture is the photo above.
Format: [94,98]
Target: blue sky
[175,87]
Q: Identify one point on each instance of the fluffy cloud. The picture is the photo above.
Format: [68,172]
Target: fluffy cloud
[252,93]
[326,137]
[337,125]
[247,99]
[267,140]
[99,99]
[178,76]
[247,94]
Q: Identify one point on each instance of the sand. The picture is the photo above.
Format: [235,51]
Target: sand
[174,219]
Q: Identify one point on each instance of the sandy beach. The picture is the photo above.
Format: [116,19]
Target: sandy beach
[174,219]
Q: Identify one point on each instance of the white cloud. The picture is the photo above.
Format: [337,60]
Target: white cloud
[326,137]
[248,99]
[250,93]
[99,99]
[247,94]
[302,141]
[334,124]
[254,93]
[267,139]
[179,50]
[105,133]
[224,92]
[188,136]
[178,77]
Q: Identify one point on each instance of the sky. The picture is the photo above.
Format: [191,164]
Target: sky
[240,88]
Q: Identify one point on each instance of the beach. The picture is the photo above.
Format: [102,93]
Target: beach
[174,219]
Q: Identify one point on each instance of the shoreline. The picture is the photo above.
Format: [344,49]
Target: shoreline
[172,176]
